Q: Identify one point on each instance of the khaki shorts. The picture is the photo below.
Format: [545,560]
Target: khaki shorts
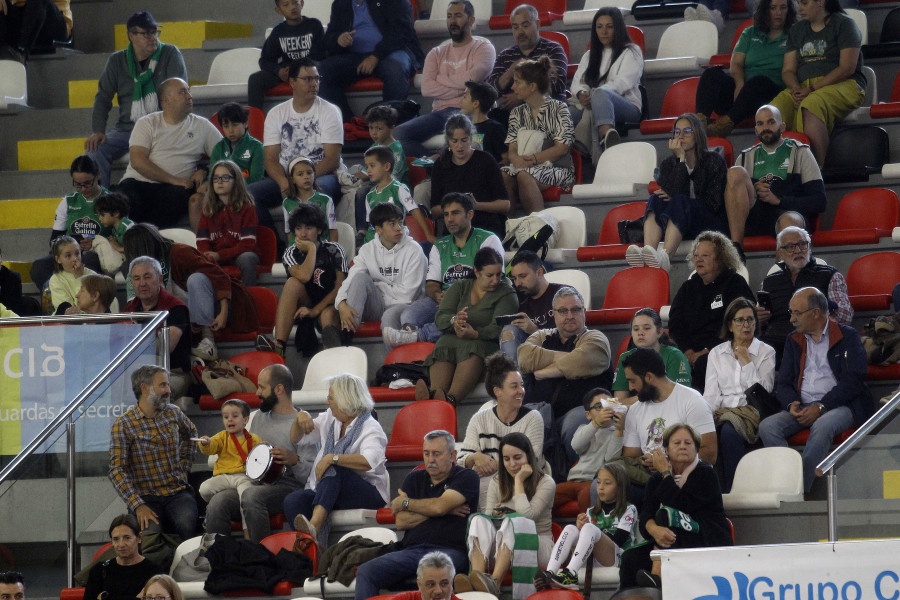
[831,103]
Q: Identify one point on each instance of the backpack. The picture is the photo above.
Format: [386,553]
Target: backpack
[538,232]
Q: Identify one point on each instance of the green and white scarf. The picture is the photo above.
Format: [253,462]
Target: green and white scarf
[524,552]
[143,99]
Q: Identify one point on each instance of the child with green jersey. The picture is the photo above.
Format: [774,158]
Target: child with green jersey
[379,165]
[238,145]
[302,187]
[112,211]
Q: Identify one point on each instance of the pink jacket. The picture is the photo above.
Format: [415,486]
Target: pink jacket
[448,68]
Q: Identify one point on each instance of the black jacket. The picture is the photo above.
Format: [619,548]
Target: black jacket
[394,20]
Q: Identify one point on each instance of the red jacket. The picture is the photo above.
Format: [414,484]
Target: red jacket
[229,233]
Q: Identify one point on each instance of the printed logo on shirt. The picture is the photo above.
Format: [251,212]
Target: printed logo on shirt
[317,277]
[389,271]
[297,46]
[85,227]
[246,155]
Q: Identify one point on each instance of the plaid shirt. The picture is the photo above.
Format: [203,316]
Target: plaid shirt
[150,456]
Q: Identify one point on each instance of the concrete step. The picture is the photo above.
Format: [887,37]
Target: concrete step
[191,34]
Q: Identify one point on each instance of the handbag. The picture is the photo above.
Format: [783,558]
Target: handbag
[223,378]
[631,232]
[762,400]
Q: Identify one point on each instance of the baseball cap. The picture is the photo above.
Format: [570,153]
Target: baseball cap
[142,19]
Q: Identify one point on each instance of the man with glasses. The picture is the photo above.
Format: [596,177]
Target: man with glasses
[798,269]
[305,125]
[134,76]
[562,364]
[775,176]
[12,586]
[165,150]
[821,383]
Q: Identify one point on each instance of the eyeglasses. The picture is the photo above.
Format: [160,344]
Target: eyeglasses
[157,597]
[222,178]
[564,312]
[803,246]
[84,185]
[310,78]
[686,131]
[597,407]
[799,312]
[744,320]
[148,34]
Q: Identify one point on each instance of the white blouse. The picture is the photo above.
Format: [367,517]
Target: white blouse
[727,379]
[623,78]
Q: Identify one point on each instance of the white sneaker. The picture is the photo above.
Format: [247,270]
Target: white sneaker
[633,256]
[650,256]
[690,13]
[205,349]
[663,258]
[703,13]
[611,139]
[718,20]
[398,337]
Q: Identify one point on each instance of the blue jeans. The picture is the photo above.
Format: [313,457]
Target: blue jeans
[339,71]
[421,314]
[396,567]
[511,347]
[177,513]
[115,146]
[346,490]
[202,304]
[568,425]
[774,431]
[415,132]
[607,108]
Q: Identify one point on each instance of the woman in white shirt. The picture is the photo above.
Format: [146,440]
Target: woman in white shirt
[350,468]
[733,367]
[606,82]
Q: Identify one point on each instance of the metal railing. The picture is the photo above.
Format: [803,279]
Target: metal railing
[155,321]
[831,462]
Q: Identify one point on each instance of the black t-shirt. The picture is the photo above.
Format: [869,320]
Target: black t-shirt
[492,136]
[449,530]
[540,310]
[120,582]
[480,176]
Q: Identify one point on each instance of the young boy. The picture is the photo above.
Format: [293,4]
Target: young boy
[387,275]
[238,145]
[297,37]
[112,212]
[233,445]
[381,121]
[379,166]
[301,183]
[478,99]
[316,269]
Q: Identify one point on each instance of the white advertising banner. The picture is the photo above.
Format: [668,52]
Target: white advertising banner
[855,570]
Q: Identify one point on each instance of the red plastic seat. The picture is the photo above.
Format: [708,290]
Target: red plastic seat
[569,510]
[799,438]
[78,593]
[417,174]
[556,595]
[255,125]
[630,290]
[401,354]
[637,36]
[415,230]
[870,280]
[413,422]
[266,305]
[680,98]
[282,89]
[717,142]
[563,40]
[254,362]
[888,110]
[266,247]
[274,543]
[862,217]
[368,329]
[724,60]
[608,246]
[883,372]
[548,11]
[553,194]
[276,522]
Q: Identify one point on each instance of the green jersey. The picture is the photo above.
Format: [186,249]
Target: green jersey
[774,166]
[320,200]
[75,215]
[448,263]
[247,153]
[118,231]
[395,192]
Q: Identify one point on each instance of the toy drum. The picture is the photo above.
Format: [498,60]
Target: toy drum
[261,465]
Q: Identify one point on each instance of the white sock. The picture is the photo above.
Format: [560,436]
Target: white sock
[587,537]
[563,548]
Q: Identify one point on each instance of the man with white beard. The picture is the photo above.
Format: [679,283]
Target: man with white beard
[151,454]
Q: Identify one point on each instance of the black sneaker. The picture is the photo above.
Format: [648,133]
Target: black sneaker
[565,579]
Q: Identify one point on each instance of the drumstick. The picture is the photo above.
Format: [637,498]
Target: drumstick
[196,439]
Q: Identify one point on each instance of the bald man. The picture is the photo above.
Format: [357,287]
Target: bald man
[165,151]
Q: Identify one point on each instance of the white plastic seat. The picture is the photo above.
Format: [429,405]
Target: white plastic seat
[623,171]
[180,236]
[765,478]
[700,38]
[325,364]
[862,22]
[336,589]
[318,9]
[347,238]
[189,589]
[228,75]
[13,84]
[572,227]
[476,596]
[575,278]
[586,15]
[437,22]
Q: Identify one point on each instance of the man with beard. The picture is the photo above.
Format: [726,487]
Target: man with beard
[560,365]
[526,28]
[451,258]
[447,69]
[272,423]
[770,178]
[432,508]
[661,403]
[151,455]
[535,302]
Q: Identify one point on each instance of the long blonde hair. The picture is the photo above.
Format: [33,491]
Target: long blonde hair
[240,196]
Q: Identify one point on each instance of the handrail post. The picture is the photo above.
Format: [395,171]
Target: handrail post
[163,349]
[832,506]
[70,500]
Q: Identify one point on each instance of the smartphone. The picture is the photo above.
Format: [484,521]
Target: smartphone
[506,319]
[503,510]
[764,300]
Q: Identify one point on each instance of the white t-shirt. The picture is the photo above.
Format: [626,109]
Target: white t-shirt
[302,134]
[176,149]
[646,421]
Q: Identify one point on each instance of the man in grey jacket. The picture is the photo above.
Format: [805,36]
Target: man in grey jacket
[133,75]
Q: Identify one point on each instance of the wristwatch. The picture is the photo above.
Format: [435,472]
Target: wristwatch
[334,459]
[405,505]
[822,408]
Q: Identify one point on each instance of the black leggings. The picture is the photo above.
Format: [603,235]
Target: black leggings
[715,93]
